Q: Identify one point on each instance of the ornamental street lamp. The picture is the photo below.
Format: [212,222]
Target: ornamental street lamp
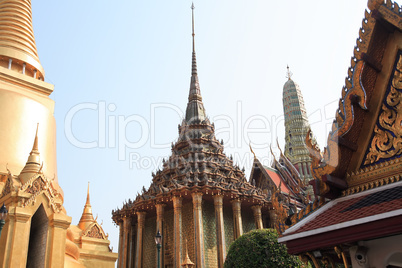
[158,241]
[3,216]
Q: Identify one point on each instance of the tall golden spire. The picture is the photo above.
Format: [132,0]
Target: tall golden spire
[87,218]
[33,164]
[17,41]
[195,112]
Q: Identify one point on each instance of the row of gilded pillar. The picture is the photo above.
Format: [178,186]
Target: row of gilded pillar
[126,230]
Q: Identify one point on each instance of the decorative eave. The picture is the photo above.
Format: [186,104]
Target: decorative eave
[131,207]
[374,176]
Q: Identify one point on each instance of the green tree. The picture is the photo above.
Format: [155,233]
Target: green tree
[260,249]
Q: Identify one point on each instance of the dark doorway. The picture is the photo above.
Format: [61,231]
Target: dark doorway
[37,239]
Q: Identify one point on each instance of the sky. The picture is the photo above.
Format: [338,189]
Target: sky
[121,71]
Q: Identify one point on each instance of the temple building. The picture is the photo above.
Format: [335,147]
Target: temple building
[199,195]
[357,220]
[38,231]
[296,128]
[282,182]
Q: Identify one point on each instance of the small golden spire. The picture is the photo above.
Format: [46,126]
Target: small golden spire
[33,164]
[87,217]
[187,263]
[289,73]
[88,203]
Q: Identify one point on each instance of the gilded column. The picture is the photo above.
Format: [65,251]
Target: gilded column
[220,230]
[119,258]
[177,205]
[125,242]
[160,209]
[238,224]
[140,229]
[58,224]
[257,216]
[198,229]
[14,251]
[131,247]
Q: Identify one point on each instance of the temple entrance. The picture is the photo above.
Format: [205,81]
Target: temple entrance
[38,239]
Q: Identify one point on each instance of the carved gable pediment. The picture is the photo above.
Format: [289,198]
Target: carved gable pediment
[40,184]
[95,231]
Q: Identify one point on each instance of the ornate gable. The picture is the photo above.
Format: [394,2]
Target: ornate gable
[95,231]
[367,126]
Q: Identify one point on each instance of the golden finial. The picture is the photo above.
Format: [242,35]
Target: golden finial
[251,149]
[279,147]
[87,217]
[289,73]
[88,202]
[35,147]
[187,263]
[272,153]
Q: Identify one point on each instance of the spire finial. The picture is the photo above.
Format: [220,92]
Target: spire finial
[192,11]
[35,147]
[87,217]
[289,73]
[194,63]
[195,112]
[88,201]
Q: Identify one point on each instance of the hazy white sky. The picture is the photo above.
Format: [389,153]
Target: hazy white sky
[121,71]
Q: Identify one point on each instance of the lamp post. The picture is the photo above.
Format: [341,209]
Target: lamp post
[3,216]
[158,241]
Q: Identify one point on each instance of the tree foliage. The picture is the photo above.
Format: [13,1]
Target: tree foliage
[259,249]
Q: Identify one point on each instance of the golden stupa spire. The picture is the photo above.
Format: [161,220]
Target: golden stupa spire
[195,111]
[33,164]
[87,218]
[17,41]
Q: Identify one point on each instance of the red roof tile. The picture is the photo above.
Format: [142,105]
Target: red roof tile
[276,178]
[355,208]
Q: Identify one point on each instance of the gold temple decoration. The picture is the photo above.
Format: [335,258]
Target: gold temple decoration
[187,263]
[387,140]
[373,176]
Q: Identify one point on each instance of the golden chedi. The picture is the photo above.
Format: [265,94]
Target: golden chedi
[37,232]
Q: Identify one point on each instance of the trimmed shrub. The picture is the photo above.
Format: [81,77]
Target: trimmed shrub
[260,249]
